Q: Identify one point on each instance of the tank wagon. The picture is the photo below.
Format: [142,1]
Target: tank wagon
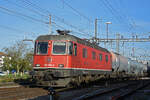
[64,60]
[137,68]
[119,63]
[147,68]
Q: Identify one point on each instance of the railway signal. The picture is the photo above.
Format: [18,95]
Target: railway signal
[51,93]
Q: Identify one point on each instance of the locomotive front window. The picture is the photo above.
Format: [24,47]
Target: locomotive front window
[59,47]
[42,47]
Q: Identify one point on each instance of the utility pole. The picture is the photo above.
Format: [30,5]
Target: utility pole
[50,24]
[117,42]
[107,29]
[96,28]
[133,52]
[123,48]
[111,45]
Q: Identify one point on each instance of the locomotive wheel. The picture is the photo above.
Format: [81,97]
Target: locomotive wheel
[77,82]
[48,77]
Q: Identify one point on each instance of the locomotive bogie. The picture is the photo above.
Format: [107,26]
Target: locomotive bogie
[55,77]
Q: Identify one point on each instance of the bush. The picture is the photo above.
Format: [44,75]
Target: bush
[13,77]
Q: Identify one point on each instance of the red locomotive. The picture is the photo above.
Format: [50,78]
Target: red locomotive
[61,60]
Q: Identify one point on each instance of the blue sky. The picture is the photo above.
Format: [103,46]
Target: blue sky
[26,19]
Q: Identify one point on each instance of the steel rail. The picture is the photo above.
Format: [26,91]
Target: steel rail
[125,94]
[100,92]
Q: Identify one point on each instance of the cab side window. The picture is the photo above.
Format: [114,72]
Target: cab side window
[70,48]
[100,57]
[93,55]
[106,57]
[75,49]
[84,53]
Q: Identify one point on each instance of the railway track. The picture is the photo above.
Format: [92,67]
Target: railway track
[16,93]
[13,91]
[129,91]
[77,92]
[115,93]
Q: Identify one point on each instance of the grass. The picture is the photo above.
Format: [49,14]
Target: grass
[13,77]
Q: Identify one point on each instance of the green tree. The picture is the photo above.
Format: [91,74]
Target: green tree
[19,57]
[7,64]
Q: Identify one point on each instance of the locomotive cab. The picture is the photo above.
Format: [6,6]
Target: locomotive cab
[53,54]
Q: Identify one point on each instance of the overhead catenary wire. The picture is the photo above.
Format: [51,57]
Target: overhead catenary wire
[8,11]
[124,13]
[79,13]
[13,14]
[27,8]
[41,10]
[112,11]
[124,17]
[120,18]
[34,11]
[58,18]
[31,18]
[75,10]
[23,15]
[15,30]
[20,15]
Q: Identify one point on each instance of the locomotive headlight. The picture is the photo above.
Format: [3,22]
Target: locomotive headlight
[61,65]
[37,65]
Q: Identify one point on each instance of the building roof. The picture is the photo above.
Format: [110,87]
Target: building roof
[2,54]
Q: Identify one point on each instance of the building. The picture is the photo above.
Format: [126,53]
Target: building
[2,56]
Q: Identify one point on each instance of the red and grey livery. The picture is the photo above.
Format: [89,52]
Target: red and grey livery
[61,60]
